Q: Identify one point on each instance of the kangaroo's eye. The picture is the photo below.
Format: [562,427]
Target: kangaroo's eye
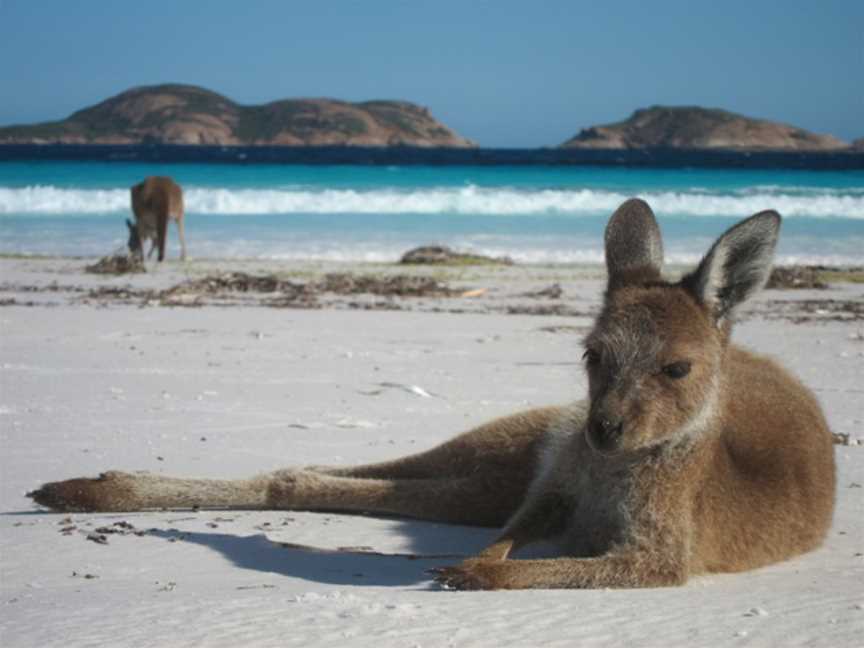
[677,369]
[591,357]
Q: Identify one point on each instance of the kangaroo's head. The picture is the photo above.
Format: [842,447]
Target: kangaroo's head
[655,356]
[134,242]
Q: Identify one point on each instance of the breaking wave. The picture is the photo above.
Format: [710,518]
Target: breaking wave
[789,201]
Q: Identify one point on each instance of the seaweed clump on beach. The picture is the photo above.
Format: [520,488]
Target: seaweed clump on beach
[288,293]
[236,282]
[192,291]
[117,264]
[795,277]
[442,255]
[385,286]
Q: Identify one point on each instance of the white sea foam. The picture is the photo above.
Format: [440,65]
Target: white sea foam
[789,201]
[357,247]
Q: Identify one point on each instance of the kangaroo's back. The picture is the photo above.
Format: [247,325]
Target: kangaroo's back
[155,201]
[768,490]
[157,196]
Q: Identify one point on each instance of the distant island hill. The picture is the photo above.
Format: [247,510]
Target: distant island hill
[693,127]
[177,114]
[183,114]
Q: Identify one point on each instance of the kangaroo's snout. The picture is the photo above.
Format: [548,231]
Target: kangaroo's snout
[604,433]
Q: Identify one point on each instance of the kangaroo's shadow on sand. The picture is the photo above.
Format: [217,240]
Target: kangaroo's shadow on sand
[431,544]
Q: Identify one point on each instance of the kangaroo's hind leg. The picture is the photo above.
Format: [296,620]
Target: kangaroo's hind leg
[505,447]
[479,477]
[182,236]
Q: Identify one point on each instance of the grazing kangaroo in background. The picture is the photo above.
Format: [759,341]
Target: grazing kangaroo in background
[690,455]
[155,201]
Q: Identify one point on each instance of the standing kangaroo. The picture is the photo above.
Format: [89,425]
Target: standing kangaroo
[690,455]
[155,201]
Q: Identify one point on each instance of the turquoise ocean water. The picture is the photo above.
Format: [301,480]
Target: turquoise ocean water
[375,213]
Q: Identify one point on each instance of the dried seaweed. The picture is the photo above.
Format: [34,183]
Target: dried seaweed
[385,286]
[117,264]
[795,277]
[442,255]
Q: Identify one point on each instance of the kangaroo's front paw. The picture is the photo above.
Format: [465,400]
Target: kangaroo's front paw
[469,575]
[111,491]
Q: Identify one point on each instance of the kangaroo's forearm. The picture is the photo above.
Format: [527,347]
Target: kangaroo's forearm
[622,571]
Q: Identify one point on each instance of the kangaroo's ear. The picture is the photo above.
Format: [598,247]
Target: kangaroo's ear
[634,247]
[736,266]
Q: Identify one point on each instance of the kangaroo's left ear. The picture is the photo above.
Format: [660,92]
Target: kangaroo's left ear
[736,266]
[634,247]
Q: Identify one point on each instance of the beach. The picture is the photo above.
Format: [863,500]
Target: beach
[227,367]
[302,235]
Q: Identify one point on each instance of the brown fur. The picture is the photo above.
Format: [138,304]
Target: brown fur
[691,455]
[155,201]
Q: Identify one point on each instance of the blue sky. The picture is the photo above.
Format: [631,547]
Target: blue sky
[503,73]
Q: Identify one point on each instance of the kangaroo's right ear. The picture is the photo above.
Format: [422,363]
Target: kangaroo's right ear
[634,247]
[736,266]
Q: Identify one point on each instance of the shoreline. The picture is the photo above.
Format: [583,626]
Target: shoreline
[589,268]
[517,289]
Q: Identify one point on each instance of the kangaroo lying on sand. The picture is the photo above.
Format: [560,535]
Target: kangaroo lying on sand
[690,455]
[155,201]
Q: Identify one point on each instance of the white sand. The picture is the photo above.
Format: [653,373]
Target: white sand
[218,391]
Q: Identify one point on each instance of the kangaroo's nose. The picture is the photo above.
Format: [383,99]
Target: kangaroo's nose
[607,431]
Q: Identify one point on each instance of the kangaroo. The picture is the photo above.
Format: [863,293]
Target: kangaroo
[690,454]
[155,201]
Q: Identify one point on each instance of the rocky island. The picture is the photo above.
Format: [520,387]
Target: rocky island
[692,127]
[185,114]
